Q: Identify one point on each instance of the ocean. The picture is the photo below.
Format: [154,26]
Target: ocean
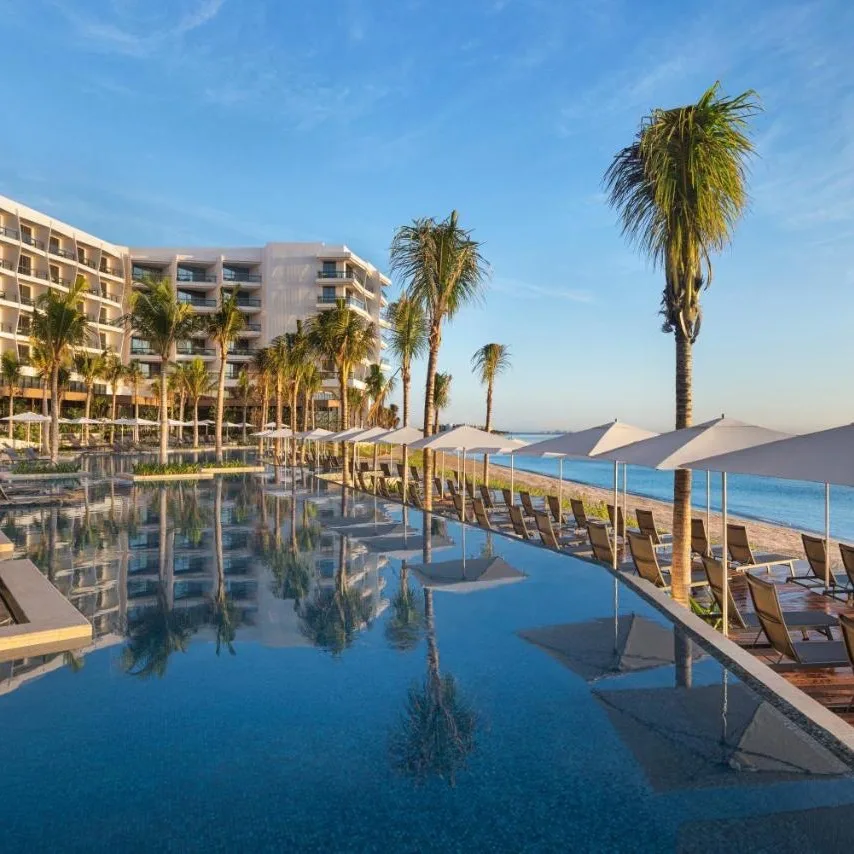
[796,504]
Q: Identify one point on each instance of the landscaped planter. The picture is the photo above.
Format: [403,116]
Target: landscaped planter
[48,476]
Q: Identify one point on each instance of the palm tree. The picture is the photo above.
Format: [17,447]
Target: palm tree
[244,389]
[59,325]
[489,361]
[441,397]
[377,388]
[343,337]
[292,355]
[263,366]
[355,405]
[680,189]
[40,360]
[113,372]
[224,325]
[134,376]
[312,383]
[198,383]
[403,630]
[407,339]
[10,368]
[90,367]
[161,319]
[443,270]
[223,611]
[177,388]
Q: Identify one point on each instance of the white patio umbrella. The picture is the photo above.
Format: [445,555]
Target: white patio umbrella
[590,443]
[826,456]
[462,576]
[509,446]
[402,436]
[363,435]
[682,448]
[318,434]
[282,433]
[28,418]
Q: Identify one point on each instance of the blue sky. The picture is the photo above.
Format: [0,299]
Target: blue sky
[236,122]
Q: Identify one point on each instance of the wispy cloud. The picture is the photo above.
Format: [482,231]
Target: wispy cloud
[527,290]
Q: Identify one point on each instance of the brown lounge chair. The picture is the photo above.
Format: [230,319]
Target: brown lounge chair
[401,470]
[452,487]
[646,525]
[463,509]
[440,493]
[507,495]
[29,499]
[579,513]
[555,509]
[385,468]
[600,542]
[486,497]
[646,563]
[415,496]
[547,533]
[527,505]
[801,655]
[413,470]
[700,540]
[518,522]
[480,514]
[621,528]
[815,550]
[470,490]
[740,552]
[802,621]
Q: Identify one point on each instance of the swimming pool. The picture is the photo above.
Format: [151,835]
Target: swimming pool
[271,672]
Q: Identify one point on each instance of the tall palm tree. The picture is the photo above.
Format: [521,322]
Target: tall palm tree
[378,388]
[343,337]
[224,325]
[264,370]
[90,367]
[244,390]
[443,270]
[312,383]
[407,339]
[10,368]
[113,372]
[159,317]
[355,405]
[295,355]
[441,397]
[489,361]
[198,383]
[60,326]
[134,376]
[224,614]
[680,188]
[177,387]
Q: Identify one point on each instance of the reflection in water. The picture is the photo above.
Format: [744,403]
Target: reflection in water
[406,625]
[437,732]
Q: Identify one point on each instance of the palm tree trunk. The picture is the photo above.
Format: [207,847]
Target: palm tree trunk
[54,414]
[294,426]
[113,414]
[405,379]
[280,405]
[429,411]
[488,429]
[342,390]
[681,571]
[11,412]
[182,398]
[313,413]
[45,430]
[164,415]
[220,400]
[87,409]
[195,422]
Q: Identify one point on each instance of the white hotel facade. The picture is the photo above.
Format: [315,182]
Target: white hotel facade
[277,283]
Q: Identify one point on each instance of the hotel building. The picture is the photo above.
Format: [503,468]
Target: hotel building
[277,284]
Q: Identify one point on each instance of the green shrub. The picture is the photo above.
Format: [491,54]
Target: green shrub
[169,468]
[44,467]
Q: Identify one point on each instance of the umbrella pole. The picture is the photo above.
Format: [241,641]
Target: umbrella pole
[441,479]
[724,561]
[560,487]
[406,474]
[512,464]
[616,505]
[625,498]
[826,537]
[708,501]
[463,493]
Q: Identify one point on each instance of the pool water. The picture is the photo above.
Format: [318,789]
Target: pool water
[261,681]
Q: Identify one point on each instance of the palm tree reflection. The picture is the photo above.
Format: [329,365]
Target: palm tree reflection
[437,731]
[406,625]
[224,615]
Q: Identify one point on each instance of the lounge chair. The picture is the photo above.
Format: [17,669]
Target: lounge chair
[385,468]
[646,563]
[398,492]
[452,487]
[802,621]
[30,499]
[547,533]
[401,470]
[486,497]
[413,470]
[437,482]
[518,522]
[480,514]
[470,490]
[507,495]
[646,525]
[847,553]
[700,541]
[802,654]
[600,542]
[463,510]
[739,549]
[579,513]
[415,496]
[555,509]
[527,505]
[815,550]
[621,528]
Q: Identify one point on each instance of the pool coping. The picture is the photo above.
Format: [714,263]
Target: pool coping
[160,478]
[235,469]
[10,477]
[51,623]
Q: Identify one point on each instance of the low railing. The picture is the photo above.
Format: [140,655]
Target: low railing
[142,351]
[335,274]
[10,232]
[88,262]
[248,302]
[7,265]
[242,351]
[196,302]
[110,271]
[195,351]
[61,253]
[31,241]
[186,277]
[252,327]
[58,280]
[234,276]
[350,302]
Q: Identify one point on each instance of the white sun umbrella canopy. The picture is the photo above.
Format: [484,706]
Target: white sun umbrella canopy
[508,446]
[826,456]
[400,436]
[363,435]
[28,418]
[282,433]
[343,435]
[318,434]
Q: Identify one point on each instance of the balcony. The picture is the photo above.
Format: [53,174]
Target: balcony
[192,352]
[248,303]
[142,350]
[240,277]
[61,253]
[111,271]
[350,302]
[9,232]
[88,262]
[196,302]
[7,265]
[58,280]
[335,274]
[241,352]
[96,292]
[251,329]
[195,278]
[31,241]
[142,276]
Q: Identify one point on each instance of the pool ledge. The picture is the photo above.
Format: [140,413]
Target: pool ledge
[234,469]
[820,722]
[47,621]
[162,478]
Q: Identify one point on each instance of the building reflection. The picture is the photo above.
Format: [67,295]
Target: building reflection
[154,568]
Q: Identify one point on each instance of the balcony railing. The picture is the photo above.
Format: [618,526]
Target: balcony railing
[237,276]
[87,261]
[195,351]
[110,271]
[62,253]
[196,302]
[248,302]
[351,302]
[252,327]
[31,241]
[148,276]
[58,280]
[242,351]
[96,292]
[23,300]
[140,350]
[334,274]
[7,265]
[183,276]
[9,232]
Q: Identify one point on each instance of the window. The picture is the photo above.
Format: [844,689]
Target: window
[23,353]
[54,274]
[81,255]
[24,325]
[102,317]
[102,340]
[53,245]
[25,293]
[329,268]
[26,234]
[328,293]
[25,265]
